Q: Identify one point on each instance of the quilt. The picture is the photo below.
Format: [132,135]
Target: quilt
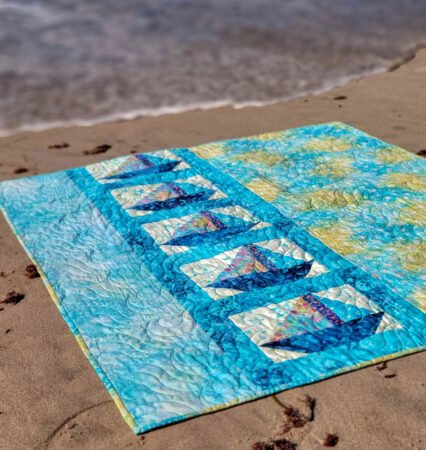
[199,278]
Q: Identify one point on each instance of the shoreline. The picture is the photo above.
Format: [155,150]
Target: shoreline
[388,105]
[51,396]
[130,115]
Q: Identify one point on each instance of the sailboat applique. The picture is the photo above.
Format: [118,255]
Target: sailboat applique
[314,322]
[142,165]
[312,327]
[171,195]
[123,168]
[256,267]
[207,227]
[253,266]
[148,198]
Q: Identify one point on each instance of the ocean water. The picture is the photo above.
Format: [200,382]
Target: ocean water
[79,61]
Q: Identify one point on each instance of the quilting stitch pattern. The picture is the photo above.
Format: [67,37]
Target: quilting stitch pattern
[192,291]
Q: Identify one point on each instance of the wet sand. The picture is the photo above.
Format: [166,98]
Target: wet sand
[51,397]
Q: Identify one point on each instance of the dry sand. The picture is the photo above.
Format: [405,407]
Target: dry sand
[50,397]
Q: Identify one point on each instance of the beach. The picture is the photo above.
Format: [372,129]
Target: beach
[52,398]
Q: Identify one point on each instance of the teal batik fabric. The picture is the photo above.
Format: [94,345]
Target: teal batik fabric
[195,279]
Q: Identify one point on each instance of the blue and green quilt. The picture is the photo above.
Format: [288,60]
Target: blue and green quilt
[199,278]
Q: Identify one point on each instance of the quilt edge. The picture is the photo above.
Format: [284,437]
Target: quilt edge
[240,401]
[75,332]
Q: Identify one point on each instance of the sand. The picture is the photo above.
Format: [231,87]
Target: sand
[51,397]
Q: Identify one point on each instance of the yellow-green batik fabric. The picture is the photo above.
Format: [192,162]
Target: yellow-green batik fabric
[199,278]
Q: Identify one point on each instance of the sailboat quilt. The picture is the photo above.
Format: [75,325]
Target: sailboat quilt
[199,278]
